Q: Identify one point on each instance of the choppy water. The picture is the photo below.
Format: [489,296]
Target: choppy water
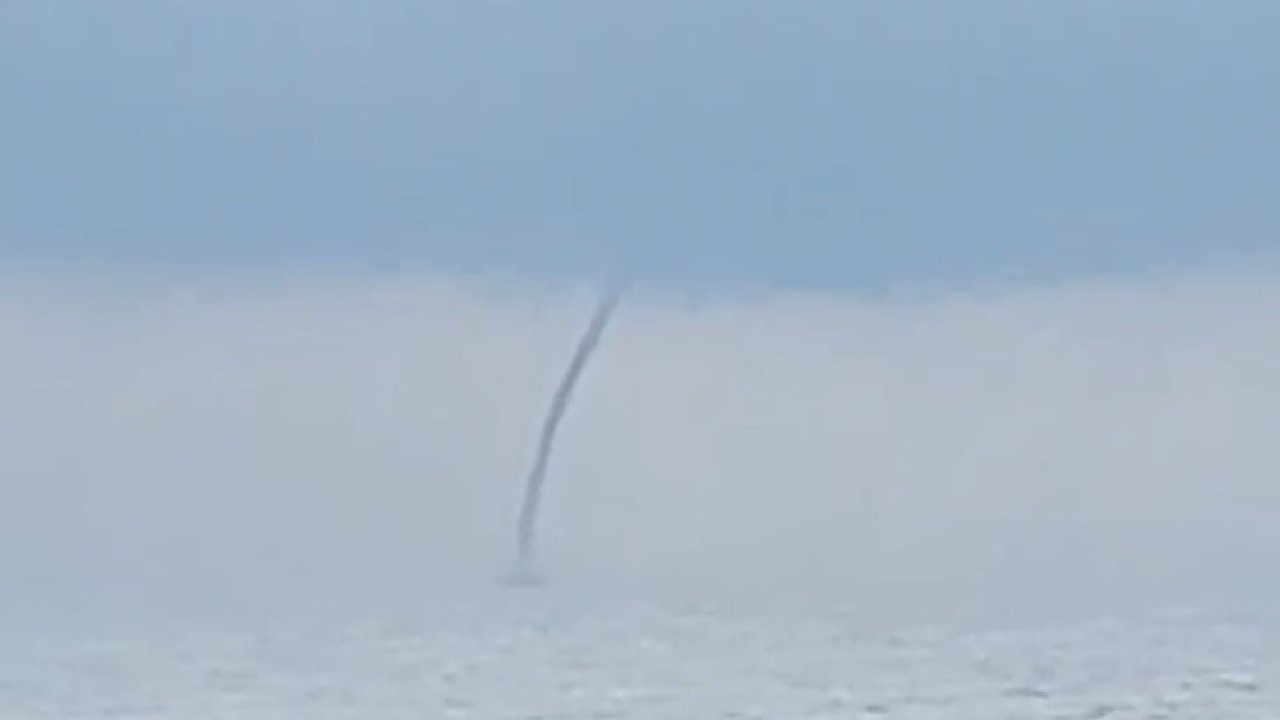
[526,654]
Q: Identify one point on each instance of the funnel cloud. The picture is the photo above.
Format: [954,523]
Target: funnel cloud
[526,561]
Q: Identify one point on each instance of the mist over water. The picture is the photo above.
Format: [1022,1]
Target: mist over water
[244,441]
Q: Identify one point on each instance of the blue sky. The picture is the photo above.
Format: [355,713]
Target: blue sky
[825,143]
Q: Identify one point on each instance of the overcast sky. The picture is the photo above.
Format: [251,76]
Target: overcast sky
[213,380]
[821,143]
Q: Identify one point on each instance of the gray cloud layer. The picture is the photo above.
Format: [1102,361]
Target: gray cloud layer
[823,143]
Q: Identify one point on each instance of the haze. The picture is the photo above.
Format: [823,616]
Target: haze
[939,307]
[250,438]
